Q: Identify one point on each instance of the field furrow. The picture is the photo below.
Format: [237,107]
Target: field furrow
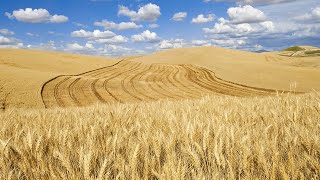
[152,82]
[128,81]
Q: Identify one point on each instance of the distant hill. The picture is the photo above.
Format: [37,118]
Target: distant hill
[266,70]
[294,48]
[300,51]
[261,51]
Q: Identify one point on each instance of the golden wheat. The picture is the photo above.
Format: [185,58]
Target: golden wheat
[211,138]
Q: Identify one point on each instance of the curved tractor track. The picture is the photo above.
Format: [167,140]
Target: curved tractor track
[128,81]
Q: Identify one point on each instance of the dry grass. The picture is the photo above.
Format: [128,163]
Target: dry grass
[212,138]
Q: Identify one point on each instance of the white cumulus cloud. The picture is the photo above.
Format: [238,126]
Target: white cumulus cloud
[180,16]
[146,36]
[254,2]
[227,28]
[201,43]
[314,15]
[171,44]
[245,14]
[121,26]
[229,43]
[10,42]
[30,15]
[96,34]
[201,19]
[154,26]
[6,32]
[114,40]
[149,12]
[32,34]
[75,47]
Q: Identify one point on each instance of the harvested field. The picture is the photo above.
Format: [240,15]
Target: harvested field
[128,81]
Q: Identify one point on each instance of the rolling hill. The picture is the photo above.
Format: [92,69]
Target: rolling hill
[32,78]
[267,70]
[23,73]
[206,113]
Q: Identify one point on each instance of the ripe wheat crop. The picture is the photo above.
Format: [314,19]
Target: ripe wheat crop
[211,138]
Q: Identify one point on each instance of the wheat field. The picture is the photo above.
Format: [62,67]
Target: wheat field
[214,137]
[39,79]
[128,81]
[193,113]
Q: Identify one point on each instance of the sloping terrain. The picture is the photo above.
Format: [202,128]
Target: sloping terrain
[300,51]
[266,70]
[31,78]
[23,73]
[129,81]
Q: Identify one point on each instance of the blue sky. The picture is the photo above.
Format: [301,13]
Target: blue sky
[123,27]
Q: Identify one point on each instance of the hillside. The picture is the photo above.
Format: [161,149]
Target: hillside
[300,51]
[267,70]
[32,78]
[23,73]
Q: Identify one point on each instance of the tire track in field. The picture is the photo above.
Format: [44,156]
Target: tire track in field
[192,75]
[47,96]
[97,77]
[138,78]
[211,79]
[128,81]
[151,81]
[199,88]
[133,83]
[105,84]
[207,78]
[130,84]
[160,82]
[172,87]
[183,87]
[124,86]
[72,93]
[57,96]
[95,91]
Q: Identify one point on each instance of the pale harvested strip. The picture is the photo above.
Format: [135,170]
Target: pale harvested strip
[192,83]
[151,79]
[209,82]
[140,84]
[115,87]
[184,89]
[128,81]
[164,85]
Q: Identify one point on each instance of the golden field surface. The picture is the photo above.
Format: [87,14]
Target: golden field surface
[266,70]
[129,81]
[190,113]
[212,138]
[40,79]
[24,72]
